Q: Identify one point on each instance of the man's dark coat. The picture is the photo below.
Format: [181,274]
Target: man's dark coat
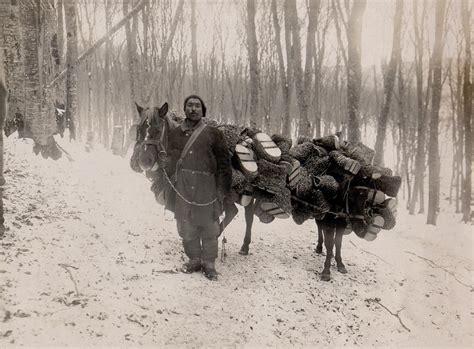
[204,171]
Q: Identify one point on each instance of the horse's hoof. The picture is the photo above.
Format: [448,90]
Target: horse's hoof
[244,252]
[342,269]
[325,277]
[319,250]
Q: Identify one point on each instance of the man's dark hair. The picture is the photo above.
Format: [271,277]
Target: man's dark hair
[200,99]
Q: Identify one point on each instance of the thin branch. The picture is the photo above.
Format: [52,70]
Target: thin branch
[397,314]
[99,42]
[437,266]
[66,267]
[372,254]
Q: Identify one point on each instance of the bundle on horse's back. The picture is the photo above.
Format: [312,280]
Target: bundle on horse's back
[314,178]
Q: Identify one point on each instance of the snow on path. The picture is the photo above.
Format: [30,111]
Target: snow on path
[91,260]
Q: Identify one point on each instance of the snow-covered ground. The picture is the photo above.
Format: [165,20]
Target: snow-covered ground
[89,259]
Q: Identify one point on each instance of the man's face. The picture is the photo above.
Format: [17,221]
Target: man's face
[193,109]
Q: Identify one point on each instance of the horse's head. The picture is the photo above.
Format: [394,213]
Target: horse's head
[153,135]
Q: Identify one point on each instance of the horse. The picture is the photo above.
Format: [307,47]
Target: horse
[150,154]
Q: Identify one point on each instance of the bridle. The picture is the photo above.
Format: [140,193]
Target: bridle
[158,143]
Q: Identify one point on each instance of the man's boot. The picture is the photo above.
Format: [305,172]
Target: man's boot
[191,266]
[209,270]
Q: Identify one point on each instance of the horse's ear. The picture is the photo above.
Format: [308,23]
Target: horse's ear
[163,110]
[139,108]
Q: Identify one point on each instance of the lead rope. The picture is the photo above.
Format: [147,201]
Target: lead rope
[182,197]
[223,250]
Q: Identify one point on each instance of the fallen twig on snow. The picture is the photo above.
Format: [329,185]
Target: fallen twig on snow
[66,267]
[372,254]
[434,265]
[135,321]
[166,271]
[397,314]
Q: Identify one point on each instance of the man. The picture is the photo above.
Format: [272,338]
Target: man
[203,175]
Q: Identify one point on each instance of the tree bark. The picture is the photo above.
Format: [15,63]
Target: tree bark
[60,30]
[304,126]
[289,59]
[252,48]
[71,76]
[313,13]
[354,31]
[433,152]
[3,115]
[421,119]
[12,39]
[285,88]
[194,54]
[467,103]
[389,81]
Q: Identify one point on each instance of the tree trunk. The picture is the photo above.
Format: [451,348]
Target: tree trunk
[285,88]
[4,13]
[354,31]
[194,54]
[467,103]
[389,81]
[71,77]
[421,122]
[304,126]
[433,152]
[313,13]
[60,30]
[32,88]
[289,60]
[131,58]
[12,39]
[252,48]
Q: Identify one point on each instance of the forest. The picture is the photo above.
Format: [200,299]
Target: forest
[396,75]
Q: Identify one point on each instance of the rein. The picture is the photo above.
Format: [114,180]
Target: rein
[170,182]
[162,153]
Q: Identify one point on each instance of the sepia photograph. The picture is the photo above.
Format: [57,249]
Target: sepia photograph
[236,174]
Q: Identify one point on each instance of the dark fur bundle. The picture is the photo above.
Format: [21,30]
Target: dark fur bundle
[302,152]
[231,135]
[327,184]
[316,165]
[328,142]
[271,177]
[283,143]
[359,151]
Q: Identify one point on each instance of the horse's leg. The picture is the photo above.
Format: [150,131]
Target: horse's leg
[249,212]
[319,246]
[328,231]
[338,242]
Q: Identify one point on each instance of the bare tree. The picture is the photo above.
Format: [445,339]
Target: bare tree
[60,30]
[389,81]
[71,56]
[467,104]
[252,48]
[194,54]
[433,153]
[313,13]
[4,13]
[421,112]
[354,31]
